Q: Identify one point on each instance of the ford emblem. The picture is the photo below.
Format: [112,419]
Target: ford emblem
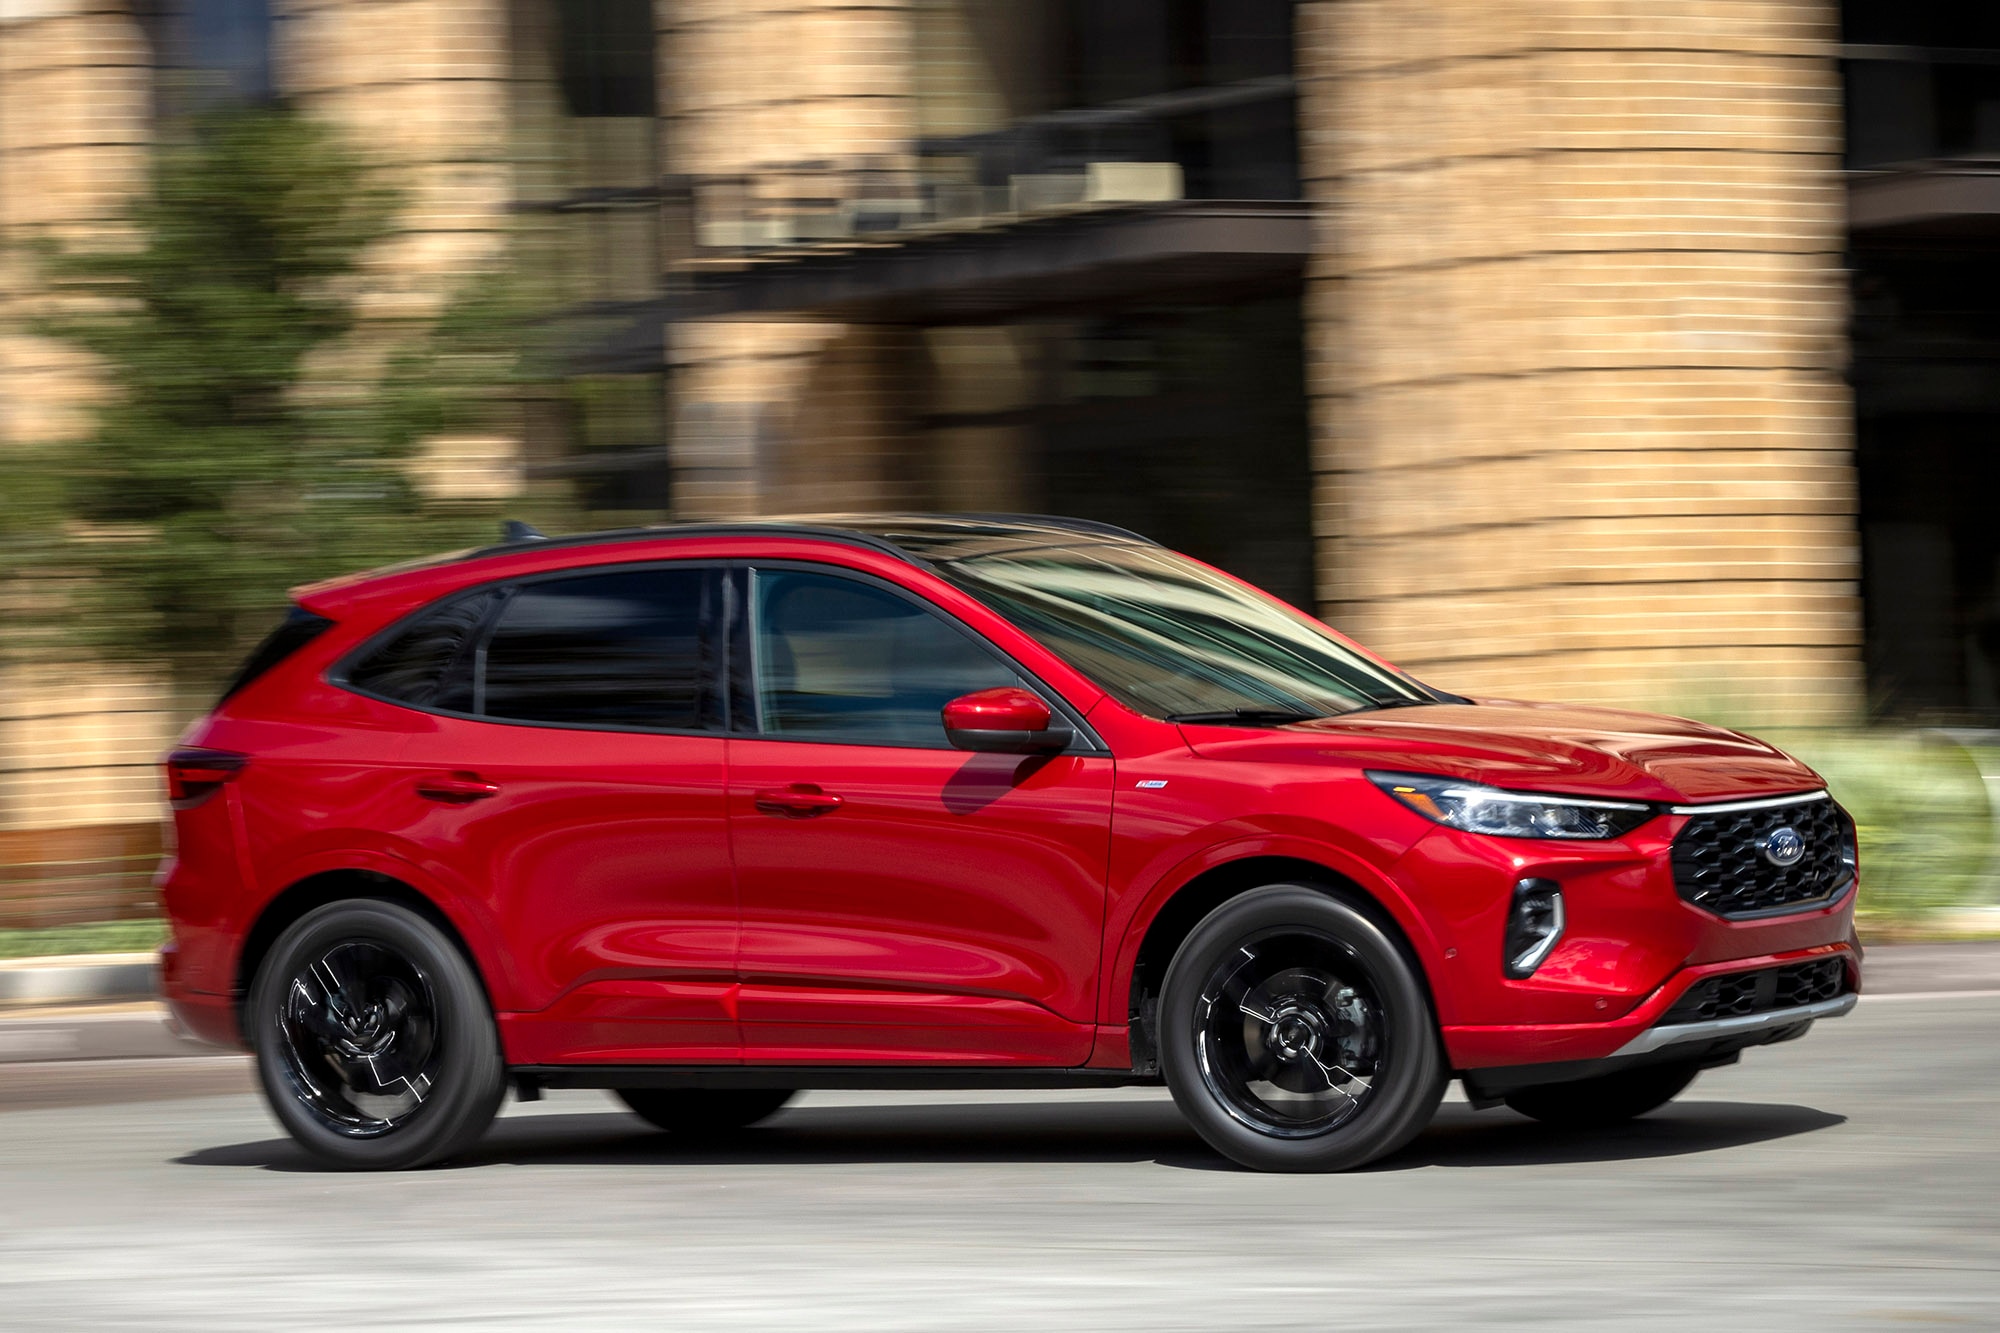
[1782,846]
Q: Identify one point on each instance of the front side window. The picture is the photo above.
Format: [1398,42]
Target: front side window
[617,649]
[1171,639]
[843,660]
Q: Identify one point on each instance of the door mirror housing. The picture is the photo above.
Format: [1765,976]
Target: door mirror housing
[1009,720]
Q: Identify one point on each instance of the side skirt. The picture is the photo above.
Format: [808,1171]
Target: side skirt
[897,1078]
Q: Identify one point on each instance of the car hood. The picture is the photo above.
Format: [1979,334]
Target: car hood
[1530,746]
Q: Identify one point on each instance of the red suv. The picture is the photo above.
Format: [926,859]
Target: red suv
[709,814]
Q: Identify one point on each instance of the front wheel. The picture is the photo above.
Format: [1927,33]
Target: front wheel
[704,1112]
[1608,1099]
[1296,1036]
[374,1039]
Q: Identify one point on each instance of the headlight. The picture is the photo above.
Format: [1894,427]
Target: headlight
[1512,814]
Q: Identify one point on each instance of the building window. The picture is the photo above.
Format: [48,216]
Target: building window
[224,46]
[607,57]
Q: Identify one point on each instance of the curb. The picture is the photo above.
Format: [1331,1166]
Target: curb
[78,979]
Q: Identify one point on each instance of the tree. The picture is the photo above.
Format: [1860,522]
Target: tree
[225,462]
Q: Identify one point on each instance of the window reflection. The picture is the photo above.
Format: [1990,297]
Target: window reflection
[1165,637]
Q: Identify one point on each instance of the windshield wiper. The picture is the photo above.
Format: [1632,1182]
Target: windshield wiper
[1380,704]
[1268,717]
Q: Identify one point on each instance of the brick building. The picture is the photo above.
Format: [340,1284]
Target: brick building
[1514,334]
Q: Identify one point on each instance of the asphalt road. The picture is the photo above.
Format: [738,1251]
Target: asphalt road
[1849,1180]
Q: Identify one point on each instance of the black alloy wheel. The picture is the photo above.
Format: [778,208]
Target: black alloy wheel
[704,1112]
[1296,1036]
[375,1043]
[1608,1099]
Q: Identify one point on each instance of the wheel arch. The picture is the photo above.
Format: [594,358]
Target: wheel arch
[331,886]
[1190,904]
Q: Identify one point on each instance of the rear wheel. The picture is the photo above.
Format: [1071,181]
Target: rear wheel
[1608,1099]
[704,1112]
[375,1042]
[1295,1035]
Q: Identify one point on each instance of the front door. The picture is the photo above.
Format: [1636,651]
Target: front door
[902,900]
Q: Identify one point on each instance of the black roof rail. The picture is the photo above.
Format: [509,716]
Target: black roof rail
[1090,525]
[749,528]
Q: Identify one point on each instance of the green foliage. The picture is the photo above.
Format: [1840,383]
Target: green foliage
[1920,804]
[247,442]
[97,937]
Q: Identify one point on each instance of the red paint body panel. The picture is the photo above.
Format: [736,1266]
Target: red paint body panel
[603,858]
[953,898]
[626,899]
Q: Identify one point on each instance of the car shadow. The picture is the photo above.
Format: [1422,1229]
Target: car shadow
[1463,1137]
[1060,1132]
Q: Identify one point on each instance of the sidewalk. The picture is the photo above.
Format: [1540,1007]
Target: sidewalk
[84,978]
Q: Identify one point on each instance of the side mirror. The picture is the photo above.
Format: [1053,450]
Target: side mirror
[1009,720]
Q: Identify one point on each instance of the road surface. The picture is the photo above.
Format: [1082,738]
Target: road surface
[1849,1180]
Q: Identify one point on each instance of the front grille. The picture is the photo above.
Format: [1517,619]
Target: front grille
[1759,992]
[1719,861]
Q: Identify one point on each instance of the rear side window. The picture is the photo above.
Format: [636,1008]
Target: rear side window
[618,649]
[299,628]
[429,662]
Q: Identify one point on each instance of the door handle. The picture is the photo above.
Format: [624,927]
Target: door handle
[801,800]
[457,788]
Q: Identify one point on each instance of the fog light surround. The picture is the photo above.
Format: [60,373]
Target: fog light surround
[1534,926]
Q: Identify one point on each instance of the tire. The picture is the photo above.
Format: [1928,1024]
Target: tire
[704,1112]
[1330,1058]
[375,1042]
[1609,1099]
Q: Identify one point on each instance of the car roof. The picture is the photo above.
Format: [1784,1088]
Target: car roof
[918,538]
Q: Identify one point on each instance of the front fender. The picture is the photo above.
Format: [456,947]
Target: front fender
[1137,912]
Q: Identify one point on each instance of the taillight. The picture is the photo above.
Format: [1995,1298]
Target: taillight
[195,775]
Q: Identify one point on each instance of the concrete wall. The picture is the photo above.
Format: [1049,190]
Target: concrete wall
[76,100]
[1577,335]
[789,96]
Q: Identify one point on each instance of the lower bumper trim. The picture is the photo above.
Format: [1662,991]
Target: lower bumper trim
[1675,1034]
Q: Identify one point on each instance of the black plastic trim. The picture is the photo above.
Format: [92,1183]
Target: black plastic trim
[676,531]
[298,629]
[876,1077]
[1488,1086]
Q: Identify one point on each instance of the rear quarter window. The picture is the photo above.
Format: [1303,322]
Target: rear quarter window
[428,662]
[628,648]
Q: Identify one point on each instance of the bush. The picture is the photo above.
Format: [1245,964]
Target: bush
[1926,824]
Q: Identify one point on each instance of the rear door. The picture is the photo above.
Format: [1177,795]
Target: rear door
[902,900]
[568,775]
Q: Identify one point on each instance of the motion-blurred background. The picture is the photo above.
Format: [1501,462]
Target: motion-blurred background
[1633,351]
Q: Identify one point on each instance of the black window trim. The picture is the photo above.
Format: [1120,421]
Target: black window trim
[716,653]
[1087,743]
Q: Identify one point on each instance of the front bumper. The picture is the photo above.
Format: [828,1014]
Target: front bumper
[1768,1025]
[1496,1060]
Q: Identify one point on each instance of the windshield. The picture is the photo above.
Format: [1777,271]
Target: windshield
[1170,639]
